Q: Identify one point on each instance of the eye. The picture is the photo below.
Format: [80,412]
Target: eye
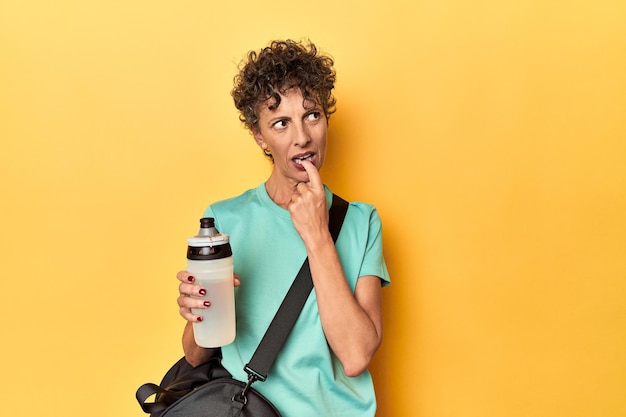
[281,124]
[316,115]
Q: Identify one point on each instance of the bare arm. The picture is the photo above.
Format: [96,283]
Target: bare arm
[352,322]
[194,354]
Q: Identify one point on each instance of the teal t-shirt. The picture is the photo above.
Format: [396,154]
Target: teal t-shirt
[307,380]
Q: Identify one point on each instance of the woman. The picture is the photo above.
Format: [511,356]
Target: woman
[284,95]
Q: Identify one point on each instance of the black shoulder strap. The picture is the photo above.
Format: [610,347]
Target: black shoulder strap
[289,310]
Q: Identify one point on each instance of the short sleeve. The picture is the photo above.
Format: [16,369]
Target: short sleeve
[374,261]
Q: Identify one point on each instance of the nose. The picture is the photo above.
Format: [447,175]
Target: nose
[301,136]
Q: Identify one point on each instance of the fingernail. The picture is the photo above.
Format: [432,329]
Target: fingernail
[207,304]
[200,318]
[202,291]
[190,278]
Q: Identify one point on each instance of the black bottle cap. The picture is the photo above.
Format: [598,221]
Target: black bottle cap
[207,222]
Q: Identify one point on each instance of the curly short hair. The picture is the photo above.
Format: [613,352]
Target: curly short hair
[277,68]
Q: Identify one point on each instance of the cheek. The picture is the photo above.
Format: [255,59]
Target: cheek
[321,135]
[323,142]
[322,153]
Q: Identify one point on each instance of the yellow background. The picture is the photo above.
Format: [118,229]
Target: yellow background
[491,136]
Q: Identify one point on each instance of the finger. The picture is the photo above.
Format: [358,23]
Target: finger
[185,302]
[302,188]
[315,180]
[191,290]
[189,316]
[185,276]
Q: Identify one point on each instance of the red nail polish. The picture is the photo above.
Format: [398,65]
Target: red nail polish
[190,278]
[202,292]
[200,318]
[207,304]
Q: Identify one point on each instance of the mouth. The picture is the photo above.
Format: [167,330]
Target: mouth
[298,159]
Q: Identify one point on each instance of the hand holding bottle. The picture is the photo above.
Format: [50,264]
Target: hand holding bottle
[190,293]
[210,263]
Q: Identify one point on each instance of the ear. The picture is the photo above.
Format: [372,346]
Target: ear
[258,138]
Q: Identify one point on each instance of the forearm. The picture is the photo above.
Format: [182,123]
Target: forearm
[352,322]
[194,354]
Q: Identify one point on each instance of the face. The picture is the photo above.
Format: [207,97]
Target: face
[292,133]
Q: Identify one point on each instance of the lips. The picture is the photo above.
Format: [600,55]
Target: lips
[298,159]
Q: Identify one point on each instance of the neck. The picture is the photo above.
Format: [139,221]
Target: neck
[280,191]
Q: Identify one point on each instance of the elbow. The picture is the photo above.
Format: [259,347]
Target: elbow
[354,371]
[357,357]
[355,363]
[355,366]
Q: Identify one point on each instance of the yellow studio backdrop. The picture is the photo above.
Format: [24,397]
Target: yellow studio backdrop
[490,135]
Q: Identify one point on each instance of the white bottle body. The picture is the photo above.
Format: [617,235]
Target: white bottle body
[218,326]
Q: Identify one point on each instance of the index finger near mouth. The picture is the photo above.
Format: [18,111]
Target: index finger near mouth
[314,175]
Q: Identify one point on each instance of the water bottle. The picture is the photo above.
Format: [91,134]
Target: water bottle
[210,261]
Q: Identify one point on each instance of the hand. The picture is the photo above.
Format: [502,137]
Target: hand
[188,291]
[308,207]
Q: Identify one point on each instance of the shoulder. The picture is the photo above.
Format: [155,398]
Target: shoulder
[363,220]
[363,212]
[363,209]
[356,209]
[232,204]
[359,212]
